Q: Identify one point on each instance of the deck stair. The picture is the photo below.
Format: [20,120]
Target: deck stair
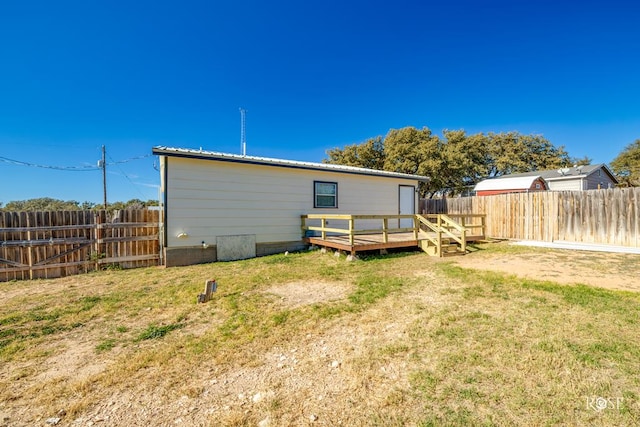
[441,236]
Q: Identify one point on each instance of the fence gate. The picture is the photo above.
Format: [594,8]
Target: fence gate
[54,244]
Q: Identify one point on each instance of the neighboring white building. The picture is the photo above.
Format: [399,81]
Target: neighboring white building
[224,206]
[577,178]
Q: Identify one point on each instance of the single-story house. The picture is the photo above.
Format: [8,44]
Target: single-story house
[222,207]
[510,184]
[576,178]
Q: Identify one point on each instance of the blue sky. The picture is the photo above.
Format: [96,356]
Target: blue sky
[312,76]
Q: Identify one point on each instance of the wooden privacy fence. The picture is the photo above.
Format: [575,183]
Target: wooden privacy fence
[54,244]
[595,216]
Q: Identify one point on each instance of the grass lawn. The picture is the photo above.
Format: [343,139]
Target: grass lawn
[311,339]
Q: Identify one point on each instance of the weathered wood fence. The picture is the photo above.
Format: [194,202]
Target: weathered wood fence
[596,216]
[55,244]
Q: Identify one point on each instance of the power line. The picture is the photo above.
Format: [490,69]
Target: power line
[71,168]
[119,162]
[125,174]
[63,168]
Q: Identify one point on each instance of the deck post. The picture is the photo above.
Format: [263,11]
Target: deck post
[463,235]
[323,224]
[385,229]
[303,219]
[351,231]
[463,246]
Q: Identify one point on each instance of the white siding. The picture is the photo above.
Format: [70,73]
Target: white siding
[207,198]
[565,185]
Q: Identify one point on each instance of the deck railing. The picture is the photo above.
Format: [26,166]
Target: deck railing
[346,225]
[470,222]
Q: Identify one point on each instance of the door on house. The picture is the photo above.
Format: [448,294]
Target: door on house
[407,204]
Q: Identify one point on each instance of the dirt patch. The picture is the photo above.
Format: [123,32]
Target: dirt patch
[334,375]
[605,270]
[297,294]
[74,356]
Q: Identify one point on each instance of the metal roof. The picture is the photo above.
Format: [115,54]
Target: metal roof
[237,158]
[564,173]
[510,183]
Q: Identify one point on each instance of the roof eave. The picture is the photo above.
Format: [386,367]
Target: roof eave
[235,158]
[560,178]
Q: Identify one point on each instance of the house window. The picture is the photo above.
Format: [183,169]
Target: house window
[537,185]
[325,194]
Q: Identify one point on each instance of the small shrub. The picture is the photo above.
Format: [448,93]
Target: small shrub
[155,332]
[105,345]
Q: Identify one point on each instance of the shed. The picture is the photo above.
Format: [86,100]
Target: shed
[521,184]
[220,207]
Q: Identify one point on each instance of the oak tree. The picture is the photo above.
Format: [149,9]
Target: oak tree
[626,165]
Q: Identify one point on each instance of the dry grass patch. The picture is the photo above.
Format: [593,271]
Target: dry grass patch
[297,294]
[311,339]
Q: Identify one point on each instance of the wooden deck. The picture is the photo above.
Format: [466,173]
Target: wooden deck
[438,235]
[372,242]
[365,242]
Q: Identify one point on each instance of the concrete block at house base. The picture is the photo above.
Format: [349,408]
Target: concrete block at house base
[351,258]
[232,248]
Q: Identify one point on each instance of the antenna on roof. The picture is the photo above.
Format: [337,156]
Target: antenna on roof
[243,133]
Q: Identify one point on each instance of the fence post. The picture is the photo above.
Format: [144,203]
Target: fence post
[95,231]
[29,247]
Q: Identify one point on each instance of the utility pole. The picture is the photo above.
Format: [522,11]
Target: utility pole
[104,175]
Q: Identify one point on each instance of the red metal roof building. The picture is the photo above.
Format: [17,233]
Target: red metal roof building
[520,184]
